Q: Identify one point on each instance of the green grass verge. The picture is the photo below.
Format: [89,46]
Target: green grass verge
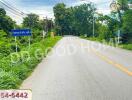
[126,46]
[91,38]
[123,46]
[13,74]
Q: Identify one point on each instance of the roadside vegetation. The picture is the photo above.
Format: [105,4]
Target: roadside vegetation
[17,66]
[78,21]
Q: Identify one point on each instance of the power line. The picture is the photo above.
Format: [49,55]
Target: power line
[9,3]
[12,10]
[11,6]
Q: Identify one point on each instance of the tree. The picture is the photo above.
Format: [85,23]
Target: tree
[84,19]
[108,22]
[46,25]
[2,12]
[74,20]
[59,13]
[130,1]
[103,32]
[127,27]
[6,23]
[49,24]
[3,35]
[31,21]
[123,4]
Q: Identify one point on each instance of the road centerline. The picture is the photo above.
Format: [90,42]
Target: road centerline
[108,60]
[117,65]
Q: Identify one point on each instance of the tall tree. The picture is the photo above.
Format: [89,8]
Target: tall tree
[84,18]
[59,13]
[108,23]
[74,20]
[2,12]
[46,24]
[123,4]
[31,21]
[127,26]
[6,23]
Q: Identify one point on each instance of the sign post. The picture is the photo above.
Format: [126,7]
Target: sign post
[44,33]
[21,32]
[16,42]
[29,42]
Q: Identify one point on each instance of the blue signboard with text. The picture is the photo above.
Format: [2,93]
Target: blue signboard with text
[21,32]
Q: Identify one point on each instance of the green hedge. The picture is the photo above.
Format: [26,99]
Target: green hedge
[126,46]
[12,74]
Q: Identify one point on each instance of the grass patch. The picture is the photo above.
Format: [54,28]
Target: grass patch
[123,46]
[13,73]
[126,46]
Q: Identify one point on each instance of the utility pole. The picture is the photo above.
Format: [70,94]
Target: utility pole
[116,8]
[43,27]
[93,21]
[15,40]
[16,43]
[30,23]
[51,24]
[46,25]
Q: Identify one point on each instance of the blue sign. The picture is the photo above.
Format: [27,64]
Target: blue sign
[21,32]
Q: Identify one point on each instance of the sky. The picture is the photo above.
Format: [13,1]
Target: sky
[45,7]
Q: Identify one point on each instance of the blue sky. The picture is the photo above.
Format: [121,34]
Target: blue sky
[44,2]
[45,7]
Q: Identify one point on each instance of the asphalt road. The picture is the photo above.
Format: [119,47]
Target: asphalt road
[82,70]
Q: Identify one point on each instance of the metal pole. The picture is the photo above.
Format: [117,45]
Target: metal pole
[46,24]
[118,36]
[29,42]
[51,24]
[119,31]
[16,42]
[43,28]
[43,34]
[93,26]
[93,22]
[115,7]
[31,31]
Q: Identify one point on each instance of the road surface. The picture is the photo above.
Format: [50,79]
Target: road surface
[79,69]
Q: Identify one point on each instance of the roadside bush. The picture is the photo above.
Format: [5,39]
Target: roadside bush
[5,64]
[13,73]
[4,48]
[127,46]
[9,81]
[127,27]
[21,71]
